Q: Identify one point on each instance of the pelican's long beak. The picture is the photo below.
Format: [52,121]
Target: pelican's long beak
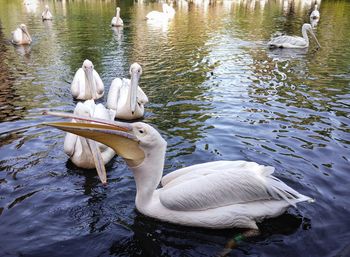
[27,33]
[117,135]
[98,160]
[90,81]
[314,36]
[134,83]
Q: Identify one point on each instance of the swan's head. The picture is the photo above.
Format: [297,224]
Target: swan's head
[133,141]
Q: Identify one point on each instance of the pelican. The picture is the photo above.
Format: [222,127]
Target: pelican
[315,13]
[293,41]
[217,195]
[117,21]
[126,97]
[87,84]
[167,13]
[85,153]
[46,15]
[21,36]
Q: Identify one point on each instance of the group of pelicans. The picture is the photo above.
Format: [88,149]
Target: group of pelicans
[217,195]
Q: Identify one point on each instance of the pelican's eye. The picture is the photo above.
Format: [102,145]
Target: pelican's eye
[141,131]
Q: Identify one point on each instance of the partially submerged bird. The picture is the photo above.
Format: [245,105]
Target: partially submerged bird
[46,15]
[87,84]
[126,97]
[293,41]
[85,153]
[315,13]
[21,36]
[215,195]
[116,20]
[167,13]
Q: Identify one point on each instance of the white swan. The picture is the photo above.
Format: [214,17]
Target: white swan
[293,41]
[315,13]
[83,152]
[46,15]
[167,13]
[116,20]
[126,97]
[21,36]
[217,195]
[87,84]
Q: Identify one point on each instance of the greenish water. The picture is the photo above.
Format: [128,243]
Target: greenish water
[216,93]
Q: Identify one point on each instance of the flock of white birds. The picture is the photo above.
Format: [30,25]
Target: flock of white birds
[216,195]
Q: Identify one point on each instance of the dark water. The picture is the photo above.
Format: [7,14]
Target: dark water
[216,93]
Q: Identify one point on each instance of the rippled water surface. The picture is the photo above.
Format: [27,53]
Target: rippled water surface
[216,93]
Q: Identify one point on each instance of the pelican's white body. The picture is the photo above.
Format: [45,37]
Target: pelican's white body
[116,20]
[292,41]
[46,15]
[167,13]
[118,100]
[19,37]
[77,148]
[80,88]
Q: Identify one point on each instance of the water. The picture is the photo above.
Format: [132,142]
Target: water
[216,93]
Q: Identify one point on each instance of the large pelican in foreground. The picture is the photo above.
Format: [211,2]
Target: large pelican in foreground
[126,97]
[21,36]
[46,15]
[216,195]
[87,84]
[293,41]
[167,13]
[86,153]
[116,20]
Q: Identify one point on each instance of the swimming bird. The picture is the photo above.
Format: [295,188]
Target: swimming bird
[116,20]
[293,41]
[46,15]
[217,195]
[87,84]
[167,13]
[126,97]
[315,13]
[85,153]
[21,36]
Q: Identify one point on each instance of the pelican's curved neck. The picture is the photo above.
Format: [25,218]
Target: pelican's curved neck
[148,175]
[304,32]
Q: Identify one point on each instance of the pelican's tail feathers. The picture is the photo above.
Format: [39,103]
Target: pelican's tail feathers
[279,190]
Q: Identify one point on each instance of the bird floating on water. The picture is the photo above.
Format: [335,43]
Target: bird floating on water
[21,36]
[167,13]
[293,41]
[217,195]
[46,15]
[86,153]
[315,13]
[116,20]
[126,97]
[87,84]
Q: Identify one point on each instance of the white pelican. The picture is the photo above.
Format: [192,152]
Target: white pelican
[216,195]
[315,13]
[117,21]
[167,13]
[293,41]
[83,152]
[126,97]
[21,36]
[46,15]
[87,84]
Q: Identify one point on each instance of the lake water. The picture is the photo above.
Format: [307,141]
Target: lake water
[216,93]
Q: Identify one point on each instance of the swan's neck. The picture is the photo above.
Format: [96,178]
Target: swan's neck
[148,175]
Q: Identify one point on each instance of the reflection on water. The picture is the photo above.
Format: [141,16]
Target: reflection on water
[216,93]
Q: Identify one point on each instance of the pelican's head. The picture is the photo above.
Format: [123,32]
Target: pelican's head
[135,73]
[308,27]
[23,27]
[87,65]
[315,7]
[46,7]
[133,141]
[118,9]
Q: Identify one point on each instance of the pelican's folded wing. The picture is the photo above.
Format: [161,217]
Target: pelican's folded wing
[141,96]
[113,94]
[215,184]
[78,79]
